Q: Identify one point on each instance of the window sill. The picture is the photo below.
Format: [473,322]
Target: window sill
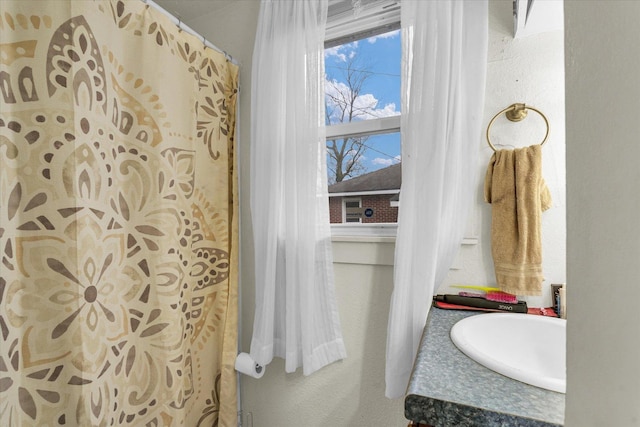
[371,233]
[374,233]
[369,244]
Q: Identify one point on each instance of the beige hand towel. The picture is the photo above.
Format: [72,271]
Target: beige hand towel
[518,194]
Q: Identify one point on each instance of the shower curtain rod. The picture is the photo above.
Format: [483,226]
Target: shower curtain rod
[177,21]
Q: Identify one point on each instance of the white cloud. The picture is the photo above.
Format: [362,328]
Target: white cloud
[335,51]
[388,35]
[389,110]
[386,162]
[333,87]
[381,161]
[342,52]
[367,104]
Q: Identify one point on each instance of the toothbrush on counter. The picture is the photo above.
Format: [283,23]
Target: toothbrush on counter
[490,293]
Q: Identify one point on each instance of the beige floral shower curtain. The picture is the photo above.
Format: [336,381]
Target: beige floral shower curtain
[118,229]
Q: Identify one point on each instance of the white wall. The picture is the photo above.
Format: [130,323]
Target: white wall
[526,70]
[603,182]
[351,392]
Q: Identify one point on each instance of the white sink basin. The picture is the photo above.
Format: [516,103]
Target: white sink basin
[524,347]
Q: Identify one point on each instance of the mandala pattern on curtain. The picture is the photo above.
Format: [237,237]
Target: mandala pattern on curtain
[118,229]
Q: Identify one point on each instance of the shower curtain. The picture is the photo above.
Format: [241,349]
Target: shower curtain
[118,219]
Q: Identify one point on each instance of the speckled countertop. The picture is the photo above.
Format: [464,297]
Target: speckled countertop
[449,389]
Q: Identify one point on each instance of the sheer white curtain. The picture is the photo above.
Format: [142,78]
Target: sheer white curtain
[296,315]
[444,55]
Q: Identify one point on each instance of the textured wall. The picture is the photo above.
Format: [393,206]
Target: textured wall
[526,70]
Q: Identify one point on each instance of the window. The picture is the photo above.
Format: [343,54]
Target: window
[362,102]
[351,210]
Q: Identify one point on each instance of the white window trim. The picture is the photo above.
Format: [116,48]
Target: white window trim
[377,233]
[350,230]
[374,14]
[356,194]
[369,127]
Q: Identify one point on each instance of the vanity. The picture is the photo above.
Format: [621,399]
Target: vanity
[448,389]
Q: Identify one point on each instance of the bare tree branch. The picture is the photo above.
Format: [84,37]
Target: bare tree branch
[342,105]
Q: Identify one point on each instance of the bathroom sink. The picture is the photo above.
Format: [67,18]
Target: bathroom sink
[525,347]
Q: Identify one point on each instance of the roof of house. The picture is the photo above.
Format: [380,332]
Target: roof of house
[388,178]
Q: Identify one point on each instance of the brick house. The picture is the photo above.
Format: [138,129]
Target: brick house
[368,198]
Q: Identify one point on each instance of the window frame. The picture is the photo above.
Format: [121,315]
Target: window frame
[346,200]
[376,17]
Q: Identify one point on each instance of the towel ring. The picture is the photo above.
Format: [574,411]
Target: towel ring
[515,113]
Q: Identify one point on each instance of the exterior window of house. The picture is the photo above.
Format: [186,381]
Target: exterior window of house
[351,210]
[362,103]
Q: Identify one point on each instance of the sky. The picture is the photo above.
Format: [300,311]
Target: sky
[381,55]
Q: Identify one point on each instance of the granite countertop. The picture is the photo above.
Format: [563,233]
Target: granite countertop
[447,388]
